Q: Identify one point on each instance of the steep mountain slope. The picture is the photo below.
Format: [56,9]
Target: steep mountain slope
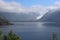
[51,16]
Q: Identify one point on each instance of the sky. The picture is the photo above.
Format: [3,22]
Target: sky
[28,3]
[39,7]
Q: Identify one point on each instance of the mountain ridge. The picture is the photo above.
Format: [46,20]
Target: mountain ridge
[51,16]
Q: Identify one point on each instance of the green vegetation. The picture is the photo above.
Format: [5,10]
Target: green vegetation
[10,36]
[54,36]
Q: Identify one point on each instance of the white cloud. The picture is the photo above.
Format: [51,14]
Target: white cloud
[10,6]
[17,7]
[55,6]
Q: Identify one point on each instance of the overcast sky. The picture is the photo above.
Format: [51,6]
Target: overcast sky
[39,7]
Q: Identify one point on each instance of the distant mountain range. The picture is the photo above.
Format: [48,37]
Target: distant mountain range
[19,16]
[51,16]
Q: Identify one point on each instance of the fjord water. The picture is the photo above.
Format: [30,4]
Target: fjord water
[33,30]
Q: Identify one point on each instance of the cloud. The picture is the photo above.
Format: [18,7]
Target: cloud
[55,6]
[17,7]
[10,6]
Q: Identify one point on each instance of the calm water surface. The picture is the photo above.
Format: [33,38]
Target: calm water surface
[33,30]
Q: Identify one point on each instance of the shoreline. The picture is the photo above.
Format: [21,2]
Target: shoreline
[6,24]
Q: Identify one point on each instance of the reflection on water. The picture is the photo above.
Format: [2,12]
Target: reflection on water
[33,30]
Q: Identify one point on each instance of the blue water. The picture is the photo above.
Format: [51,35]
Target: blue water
[33,30]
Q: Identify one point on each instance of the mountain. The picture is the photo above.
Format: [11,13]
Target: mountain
[20,16]
[3,21]
[51,16]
